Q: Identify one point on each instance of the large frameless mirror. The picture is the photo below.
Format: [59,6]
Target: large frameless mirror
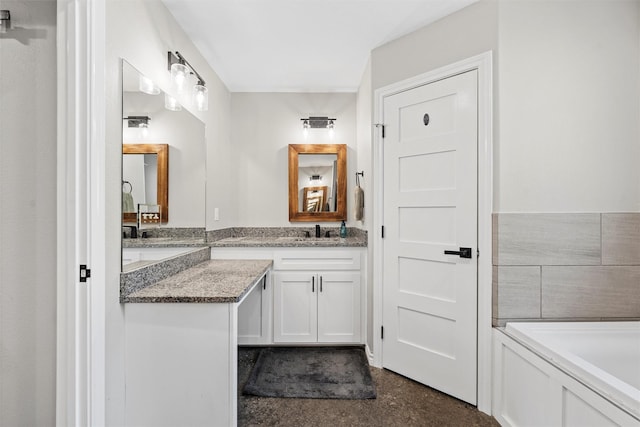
[163,160]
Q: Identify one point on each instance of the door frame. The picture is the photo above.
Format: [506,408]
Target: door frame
[81,311]
[484,64]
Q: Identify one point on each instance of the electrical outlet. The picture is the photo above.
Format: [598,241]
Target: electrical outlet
[216,214]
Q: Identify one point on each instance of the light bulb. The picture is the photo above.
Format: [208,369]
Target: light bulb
[146,85]
[170,103]
[144,130]
[201,97]
[179,73]
[305,129]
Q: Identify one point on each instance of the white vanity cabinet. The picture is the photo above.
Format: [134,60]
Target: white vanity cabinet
[317,296]
[313,295]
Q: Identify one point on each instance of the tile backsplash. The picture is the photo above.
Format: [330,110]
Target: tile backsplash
[566,266]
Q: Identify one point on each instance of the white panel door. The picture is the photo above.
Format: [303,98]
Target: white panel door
[430,206]
[295,308]
[339,307]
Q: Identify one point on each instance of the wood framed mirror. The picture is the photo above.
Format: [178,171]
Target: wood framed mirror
[317,182]
[149,153]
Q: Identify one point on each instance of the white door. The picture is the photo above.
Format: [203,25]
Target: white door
[295,307]
[430,206]
[339,307]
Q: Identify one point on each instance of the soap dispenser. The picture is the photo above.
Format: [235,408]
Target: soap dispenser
[343,230]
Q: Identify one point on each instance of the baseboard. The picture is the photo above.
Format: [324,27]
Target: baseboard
[369,354]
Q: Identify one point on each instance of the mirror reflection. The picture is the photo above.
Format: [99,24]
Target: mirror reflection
[317,182]
[139,178]
[163,161]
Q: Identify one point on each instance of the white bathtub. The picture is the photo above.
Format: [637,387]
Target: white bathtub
[567,373]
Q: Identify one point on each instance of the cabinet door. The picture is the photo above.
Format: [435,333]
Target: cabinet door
[339,307]
[254,315]
[295,307]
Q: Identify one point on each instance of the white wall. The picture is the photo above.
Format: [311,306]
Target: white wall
[262,127]
[569,106]
[142,32]
[468,32]
[28,215]
[566,96]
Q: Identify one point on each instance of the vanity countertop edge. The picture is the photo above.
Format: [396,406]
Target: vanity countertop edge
[212,281]
[288,242]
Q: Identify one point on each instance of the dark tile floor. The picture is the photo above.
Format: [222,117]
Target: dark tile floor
[400,402]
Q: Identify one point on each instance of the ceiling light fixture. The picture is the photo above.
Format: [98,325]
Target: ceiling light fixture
[180,70]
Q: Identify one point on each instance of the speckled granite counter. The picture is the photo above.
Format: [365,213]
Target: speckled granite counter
[284,237]
[164,242]
[213,281]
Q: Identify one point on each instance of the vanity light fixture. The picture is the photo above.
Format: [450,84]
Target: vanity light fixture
[140,122]
[5,21]
[181,70]
[318,123]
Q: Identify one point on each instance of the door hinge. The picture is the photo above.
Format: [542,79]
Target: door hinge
[85,273]
[478,253]
[381,332]
[383,231]
[383,131]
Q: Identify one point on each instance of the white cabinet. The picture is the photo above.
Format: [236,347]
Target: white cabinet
[254,314]
[312,305]
[313,295]
[295,307]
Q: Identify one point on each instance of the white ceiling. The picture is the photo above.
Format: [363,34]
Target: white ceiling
[299,45]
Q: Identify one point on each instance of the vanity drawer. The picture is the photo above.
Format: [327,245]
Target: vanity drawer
[317,260]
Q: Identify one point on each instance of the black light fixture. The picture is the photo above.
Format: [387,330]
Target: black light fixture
[316,122]
[180,70]
[137,121]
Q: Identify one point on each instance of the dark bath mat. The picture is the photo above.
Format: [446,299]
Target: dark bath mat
[311,372]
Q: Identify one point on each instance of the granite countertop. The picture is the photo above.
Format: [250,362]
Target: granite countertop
[212,281]
[164,242]
[289,242]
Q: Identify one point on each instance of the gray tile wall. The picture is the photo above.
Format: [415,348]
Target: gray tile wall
[566,266]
